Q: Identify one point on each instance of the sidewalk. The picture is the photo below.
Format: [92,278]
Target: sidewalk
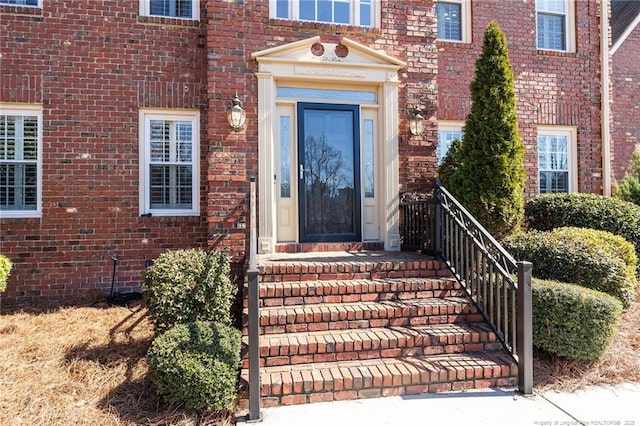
[619,406]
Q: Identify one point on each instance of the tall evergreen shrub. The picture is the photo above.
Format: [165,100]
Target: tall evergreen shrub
[490,178]
[629,188]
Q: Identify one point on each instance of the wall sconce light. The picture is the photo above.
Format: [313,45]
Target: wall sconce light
[416,122]
[236,115]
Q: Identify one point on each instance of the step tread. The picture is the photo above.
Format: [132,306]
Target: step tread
[479,369]
[439,331]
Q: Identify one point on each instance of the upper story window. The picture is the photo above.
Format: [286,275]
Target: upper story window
[20,161]
[454,20]
[170,162]
[182,9]
[29,3]
[348,12]
[557,159]
[448,131]
[555,25]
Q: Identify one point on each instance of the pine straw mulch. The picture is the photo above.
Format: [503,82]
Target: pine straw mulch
[620,362]
[84,364]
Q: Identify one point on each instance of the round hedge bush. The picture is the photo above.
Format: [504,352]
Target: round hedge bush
[571,321]
[594,259]
[188,285]
[619,217]
[197,364]
[5,271]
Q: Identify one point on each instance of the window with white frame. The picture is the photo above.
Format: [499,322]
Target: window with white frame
[183,9]
[348,12]
[557,159]
[454,20]
[20,161]
[555,25]
[448,131]
[170,166]
[28,3]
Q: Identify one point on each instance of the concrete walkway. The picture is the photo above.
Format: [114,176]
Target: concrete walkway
[612,406]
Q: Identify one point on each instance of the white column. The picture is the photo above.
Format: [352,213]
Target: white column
[390,200]
[266,192]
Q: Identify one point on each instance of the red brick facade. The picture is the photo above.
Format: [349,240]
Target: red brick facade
[625,132]
[93,67]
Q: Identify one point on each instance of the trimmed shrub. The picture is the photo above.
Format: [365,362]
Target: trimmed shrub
[487,174]
[5,271]
[629,188]
[571,321]
[619,217]
[188,285]
[197,364]
[590,258]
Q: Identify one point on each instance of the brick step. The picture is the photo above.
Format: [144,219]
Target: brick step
[347,266]
[344,291]
[341,316]
[303,348]
[303,383]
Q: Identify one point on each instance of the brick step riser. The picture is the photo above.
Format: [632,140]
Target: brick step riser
[268,301]
[322,275]
[303,357]
[362,379]
[368,323]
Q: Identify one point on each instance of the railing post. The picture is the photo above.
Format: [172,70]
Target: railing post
[254,325]
[437,220]
[525,329]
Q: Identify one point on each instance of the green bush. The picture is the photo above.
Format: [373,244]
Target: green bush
[619,217]
[5,271]
[197,364]
[571,321]
[487,174]
[594,259]
[629,188]
[188,285]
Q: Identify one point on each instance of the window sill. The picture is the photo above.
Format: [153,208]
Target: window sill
[11,9]
[164,20]
[20,215]
[286,23]
[559,53]
[454,43]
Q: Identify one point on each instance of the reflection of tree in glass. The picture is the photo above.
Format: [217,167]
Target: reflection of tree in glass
[328,188]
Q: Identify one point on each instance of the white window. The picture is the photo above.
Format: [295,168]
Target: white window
[29,3]
[20,160]
[555,25]
[557,159]
[348,12]
[170,162]
[183,9]
[448,131]
[454,20]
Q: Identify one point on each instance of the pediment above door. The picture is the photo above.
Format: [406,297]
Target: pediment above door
[312,58]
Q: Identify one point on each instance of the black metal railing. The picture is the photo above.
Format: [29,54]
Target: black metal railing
[253,311]
[498,285]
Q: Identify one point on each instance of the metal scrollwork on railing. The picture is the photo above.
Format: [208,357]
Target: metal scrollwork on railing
[484,240]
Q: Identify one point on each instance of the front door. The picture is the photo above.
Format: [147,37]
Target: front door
[328,172]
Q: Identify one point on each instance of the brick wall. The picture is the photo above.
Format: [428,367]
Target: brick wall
[552,88]
[625,132]
[92,66]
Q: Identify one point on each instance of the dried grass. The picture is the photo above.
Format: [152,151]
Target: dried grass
[83,365]
[620,362]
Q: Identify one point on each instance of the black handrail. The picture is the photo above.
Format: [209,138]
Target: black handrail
[253,313]
[498,285]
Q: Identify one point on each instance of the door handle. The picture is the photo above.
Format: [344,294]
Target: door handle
[302,170]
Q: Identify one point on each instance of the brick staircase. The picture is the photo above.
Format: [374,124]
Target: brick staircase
[347,325]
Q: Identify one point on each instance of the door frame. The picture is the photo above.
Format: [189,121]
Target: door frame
[303,236]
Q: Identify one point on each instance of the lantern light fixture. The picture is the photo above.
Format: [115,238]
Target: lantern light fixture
[236,115]
[416,122]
